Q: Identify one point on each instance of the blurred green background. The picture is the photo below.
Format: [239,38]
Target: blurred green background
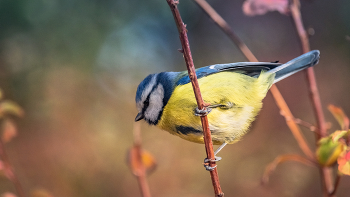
[74,67]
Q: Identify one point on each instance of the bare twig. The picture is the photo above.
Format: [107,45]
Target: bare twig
[308,125]
[282,158]
[141,173]
[315,97]
[10,174]
[304,39]
[201,104]
[286,113]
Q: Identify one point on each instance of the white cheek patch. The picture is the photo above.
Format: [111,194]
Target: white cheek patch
[146,92]
[155,104]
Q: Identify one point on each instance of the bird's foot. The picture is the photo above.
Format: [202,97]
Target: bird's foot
[206,160]
[209,168]
[202,112]
[207,165]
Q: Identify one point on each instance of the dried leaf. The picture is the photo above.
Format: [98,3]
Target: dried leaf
[340,116]
[148,163]
[9,131]
[261,7]
[40,193]
[9,107]
[344,163]
[8,194]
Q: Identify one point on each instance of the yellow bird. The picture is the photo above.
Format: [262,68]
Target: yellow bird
[235,92]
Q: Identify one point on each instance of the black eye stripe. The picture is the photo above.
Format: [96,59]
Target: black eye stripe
[146,102]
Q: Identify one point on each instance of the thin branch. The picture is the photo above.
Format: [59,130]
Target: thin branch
[308,125]
[201,104]
[326,173]
[304,39]
[286,113]
[141,173]
[289,118]
[282,158]
[9,172]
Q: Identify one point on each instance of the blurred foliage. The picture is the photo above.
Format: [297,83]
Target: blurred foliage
[74,66]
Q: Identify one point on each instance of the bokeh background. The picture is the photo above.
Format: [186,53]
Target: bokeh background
[74,67]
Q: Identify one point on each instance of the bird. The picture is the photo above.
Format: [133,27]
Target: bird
[234,92]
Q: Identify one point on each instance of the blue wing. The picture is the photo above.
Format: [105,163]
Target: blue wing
[248,68]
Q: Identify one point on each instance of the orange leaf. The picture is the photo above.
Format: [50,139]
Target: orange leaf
[9,131]
[340,116]
[138,166]
[344,164]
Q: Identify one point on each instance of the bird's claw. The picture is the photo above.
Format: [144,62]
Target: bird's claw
[202,112]
[209,168]
[216,158]
[207,165]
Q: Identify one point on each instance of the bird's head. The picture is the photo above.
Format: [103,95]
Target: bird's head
[152,95]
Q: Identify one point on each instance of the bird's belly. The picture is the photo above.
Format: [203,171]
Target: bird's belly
[227,124]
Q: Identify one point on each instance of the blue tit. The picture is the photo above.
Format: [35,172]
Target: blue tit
[235,92]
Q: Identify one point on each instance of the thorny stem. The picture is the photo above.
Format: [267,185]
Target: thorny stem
[10,174]
[274,90]
[326,173]
[201,104]
[141,175]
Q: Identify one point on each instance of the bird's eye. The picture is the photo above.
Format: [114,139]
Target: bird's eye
[146,103]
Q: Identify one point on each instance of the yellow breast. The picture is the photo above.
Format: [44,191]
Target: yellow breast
[227,124]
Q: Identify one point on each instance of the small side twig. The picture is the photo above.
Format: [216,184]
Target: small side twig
[201,104]
[286,113]
[289,118]
[326,173]
[280,159]
[308,125]
[9,170]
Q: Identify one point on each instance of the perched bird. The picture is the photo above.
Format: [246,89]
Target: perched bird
[234,91]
